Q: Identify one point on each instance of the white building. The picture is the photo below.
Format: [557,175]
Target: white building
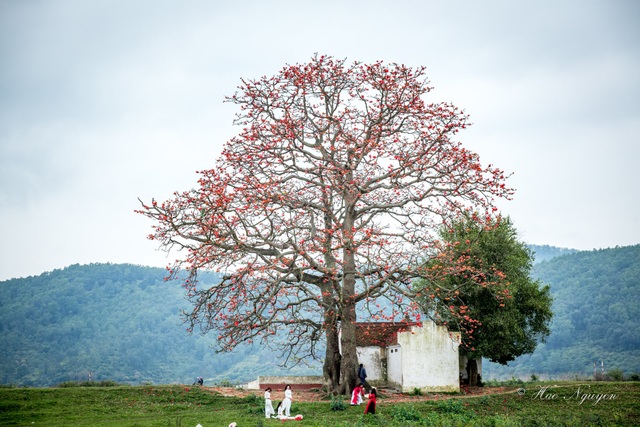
[410,356]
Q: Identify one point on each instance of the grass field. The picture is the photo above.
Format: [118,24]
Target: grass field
[537,404]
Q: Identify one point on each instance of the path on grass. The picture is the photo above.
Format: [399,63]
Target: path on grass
[385,395]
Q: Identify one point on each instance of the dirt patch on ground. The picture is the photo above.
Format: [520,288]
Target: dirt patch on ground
[385,395]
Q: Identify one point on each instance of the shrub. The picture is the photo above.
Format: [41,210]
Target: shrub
[615,375]
[405,413]
[450,406]
[252,398]
[337,404]
[104,383]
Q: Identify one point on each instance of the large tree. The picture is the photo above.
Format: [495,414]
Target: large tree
[507,327]
[329,197]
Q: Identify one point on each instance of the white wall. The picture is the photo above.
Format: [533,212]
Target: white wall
[371,359]
[284,380]
[430,359]
[394,366]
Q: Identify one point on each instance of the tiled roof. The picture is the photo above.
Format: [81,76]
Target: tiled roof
[380,334]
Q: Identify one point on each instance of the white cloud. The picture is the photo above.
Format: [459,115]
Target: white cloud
[102,102]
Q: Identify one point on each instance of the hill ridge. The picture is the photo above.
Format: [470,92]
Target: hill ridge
[122,322]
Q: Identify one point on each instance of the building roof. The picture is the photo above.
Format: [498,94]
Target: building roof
[380,334]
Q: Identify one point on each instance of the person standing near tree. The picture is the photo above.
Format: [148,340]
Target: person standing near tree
[362,374]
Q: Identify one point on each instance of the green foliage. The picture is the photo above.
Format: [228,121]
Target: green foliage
[451,406]
[512,322]
[121,324]
[615,374]
[596,315]
[404,413]
[188,406]
[105,383]
[512,382]
[337,404]
[253,399]
[111,322]
[178,422]
[607,279]
[416,392]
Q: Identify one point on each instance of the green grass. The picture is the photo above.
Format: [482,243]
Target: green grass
[558,405]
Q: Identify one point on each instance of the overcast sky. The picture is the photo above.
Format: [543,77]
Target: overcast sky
[104,101]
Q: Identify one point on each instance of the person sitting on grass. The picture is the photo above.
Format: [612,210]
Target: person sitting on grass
[285,418]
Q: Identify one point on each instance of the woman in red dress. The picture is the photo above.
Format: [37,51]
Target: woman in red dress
[371,404]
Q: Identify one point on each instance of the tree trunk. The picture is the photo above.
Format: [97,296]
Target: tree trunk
[349,362]
[473,372]
[348,367]
[331,367]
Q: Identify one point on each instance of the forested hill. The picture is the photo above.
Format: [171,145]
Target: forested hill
[122,322]
[546,252]
[596,315]
[109,322]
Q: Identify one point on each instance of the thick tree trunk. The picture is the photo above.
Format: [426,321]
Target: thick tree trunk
[331,367]
[348,367]
[349,362]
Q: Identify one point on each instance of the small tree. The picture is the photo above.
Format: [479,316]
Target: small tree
[328,197]
[507,327]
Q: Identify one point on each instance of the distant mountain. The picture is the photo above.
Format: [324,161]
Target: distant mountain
[122,322]
[110,322]
[546,252]
[596,316]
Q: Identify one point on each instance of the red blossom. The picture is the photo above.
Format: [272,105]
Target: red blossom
[329,196]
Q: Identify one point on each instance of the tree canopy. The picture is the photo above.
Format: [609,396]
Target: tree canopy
[506,327]
[330,195]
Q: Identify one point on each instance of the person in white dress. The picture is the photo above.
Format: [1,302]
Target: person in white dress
[268,407]
[286,402]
